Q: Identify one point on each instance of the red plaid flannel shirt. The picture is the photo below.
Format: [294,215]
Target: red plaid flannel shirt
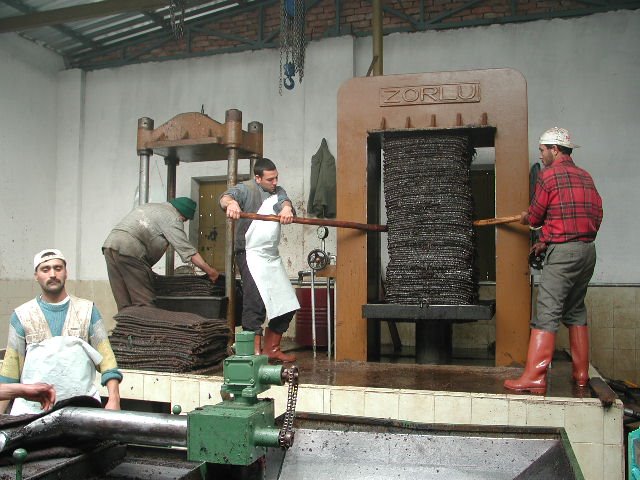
[566,203]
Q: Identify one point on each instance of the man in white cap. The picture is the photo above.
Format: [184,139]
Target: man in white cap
[140,240]
[567,211]
[58,339]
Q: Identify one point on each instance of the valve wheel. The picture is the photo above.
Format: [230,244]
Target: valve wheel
[317,259]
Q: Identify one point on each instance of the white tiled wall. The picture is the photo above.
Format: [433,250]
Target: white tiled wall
[595,433]
[614,325]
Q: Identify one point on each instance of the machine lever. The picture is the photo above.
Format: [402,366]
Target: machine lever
[496,221]
[318,221]
[365,226]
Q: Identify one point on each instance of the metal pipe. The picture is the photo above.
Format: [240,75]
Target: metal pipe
[128,427]
[313,311]
[335,317]
[376,29]
[233,123]
[230,277]
[145,125]
[324,222]
[143,180]
[329,317]
[171,163]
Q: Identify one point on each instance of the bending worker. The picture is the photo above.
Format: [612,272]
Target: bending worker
[58,339]
[140,240]
[266,288]
[568,209]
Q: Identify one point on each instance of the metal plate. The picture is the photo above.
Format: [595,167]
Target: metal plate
[429,312]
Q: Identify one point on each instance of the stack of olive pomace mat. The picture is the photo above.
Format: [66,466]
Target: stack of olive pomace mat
[188,286]
[431,241]
[148,338]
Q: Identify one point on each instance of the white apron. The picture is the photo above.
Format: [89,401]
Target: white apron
[264,262]
[67,363]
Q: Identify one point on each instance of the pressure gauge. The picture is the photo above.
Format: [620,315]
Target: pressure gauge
[322,232]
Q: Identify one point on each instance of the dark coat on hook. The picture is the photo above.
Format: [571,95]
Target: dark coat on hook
[322,194]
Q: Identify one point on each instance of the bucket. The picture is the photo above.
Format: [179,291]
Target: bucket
[304,332]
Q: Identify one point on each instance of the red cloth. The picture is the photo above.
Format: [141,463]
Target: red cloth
[566,203]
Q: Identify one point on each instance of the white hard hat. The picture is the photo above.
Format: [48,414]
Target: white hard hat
[557,136]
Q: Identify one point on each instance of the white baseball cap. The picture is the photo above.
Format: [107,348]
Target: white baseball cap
[46,255]
[557,136]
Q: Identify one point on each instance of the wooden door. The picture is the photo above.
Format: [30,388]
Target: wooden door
[211,234]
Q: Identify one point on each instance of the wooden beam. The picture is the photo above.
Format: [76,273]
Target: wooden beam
[87,11]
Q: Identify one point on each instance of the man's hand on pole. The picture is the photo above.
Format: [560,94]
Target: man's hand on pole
[286,214]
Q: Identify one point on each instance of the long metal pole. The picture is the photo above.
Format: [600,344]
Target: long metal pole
[376,28]
[145,124]
[169,261]
[143,179]
[325,222]
[313,310]
[230,275]
[329,317]
[128,427]
[335,320]
[371,227]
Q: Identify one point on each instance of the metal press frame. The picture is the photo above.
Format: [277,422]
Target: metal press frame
[196,137]
[494,103]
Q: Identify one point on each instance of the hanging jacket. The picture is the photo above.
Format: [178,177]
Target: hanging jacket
[322,193]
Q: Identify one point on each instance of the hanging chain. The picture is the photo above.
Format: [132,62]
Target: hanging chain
[299,43]
[292,42]
[177,24]
[285,437]
[281,45]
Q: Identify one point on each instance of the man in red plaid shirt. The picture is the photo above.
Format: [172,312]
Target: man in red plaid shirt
[566,209]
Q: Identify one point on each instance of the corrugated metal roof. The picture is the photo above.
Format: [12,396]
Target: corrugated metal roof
[105,33]
[77,27]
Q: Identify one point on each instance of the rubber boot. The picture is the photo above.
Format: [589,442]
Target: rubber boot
[534,378]
[257,345]
[579,343]
[272,347]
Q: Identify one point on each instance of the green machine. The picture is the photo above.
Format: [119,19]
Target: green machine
[238,430]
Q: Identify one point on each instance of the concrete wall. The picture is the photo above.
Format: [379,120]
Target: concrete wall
[70,169]
[28,184]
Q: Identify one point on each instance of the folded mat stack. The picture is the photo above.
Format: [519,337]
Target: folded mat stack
[188,286]
[148,338]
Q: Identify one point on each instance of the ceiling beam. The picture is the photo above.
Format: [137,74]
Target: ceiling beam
[86,11]
[69,32]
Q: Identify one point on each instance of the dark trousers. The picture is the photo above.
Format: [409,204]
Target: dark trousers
[568,268]
[253,309]
[131,280]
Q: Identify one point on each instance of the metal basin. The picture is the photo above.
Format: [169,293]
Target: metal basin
[345,448]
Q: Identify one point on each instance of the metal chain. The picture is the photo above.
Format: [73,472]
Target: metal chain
[299,43]
[286,434]
[282,50]
[292,41]
[177,25]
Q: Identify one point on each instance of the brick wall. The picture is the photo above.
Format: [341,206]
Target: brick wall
[241,30]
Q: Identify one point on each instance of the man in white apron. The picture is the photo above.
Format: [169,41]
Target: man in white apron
[58,339]
[266,288]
